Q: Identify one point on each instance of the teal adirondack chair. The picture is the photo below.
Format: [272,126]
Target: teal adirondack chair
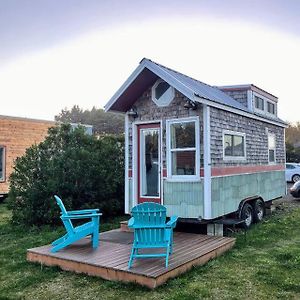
[76,233]
[151,231]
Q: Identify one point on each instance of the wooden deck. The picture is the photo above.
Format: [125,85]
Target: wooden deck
[110,260]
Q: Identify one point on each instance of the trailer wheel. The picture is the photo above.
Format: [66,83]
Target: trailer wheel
[247,215]
[296,178]
[259,210]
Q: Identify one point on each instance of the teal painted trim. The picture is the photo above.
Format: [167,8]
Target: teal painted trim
[228,191]
[183,199]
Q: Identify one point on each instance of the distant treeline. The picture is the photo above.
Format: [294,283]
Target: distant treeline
[292,141]
[103,123]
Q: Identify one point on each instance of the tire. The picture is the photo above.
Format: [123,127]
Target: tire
[296,178]
[247,215]
[259,210]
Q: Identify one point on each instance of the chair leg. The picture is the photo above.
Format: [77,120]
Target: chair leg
[167,255]
[95,240]
[62,245]
[131,257]
[95,235]
[60,240]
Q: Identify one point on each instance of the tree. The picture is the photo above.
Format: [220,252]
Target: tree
[102,122]
[292,142]
[82,170]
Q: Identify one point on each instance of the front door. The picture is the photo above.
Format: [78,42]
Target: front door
[149,163]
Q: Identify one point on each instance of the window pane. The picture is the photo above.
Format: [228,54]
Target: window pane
[234,145]
[161,89]
[259,103]
[183,135]
[1,163]
[149,166]
[271,155]
[228,145]
[271,108]
[271,141]
[183,163]
[238,145]
[290,167]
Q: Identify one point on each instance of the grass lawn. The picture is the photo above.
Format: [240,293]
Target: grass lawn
[265,266]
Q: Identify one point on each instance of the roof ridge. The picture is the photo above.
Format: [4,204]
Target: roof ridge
[215,87]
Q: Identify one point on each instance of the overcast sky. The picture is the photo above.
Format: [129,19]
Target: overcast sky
[57,53]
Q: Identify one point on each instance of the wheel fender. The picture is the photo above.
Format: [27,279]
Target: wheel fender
[249,200]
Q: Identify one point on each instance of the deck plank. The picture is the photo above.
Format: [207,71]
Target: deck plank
[110,260]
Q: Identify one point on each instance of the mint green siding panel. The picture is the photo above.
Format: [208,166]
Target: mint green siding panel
[183,199]
[228,191]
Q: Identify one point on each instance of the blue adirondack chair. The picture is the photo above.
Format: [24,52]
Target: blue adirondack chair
[76,233]
[151,231]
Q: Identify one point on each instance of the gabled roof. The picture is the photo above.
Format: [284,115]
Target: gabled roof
[146,74]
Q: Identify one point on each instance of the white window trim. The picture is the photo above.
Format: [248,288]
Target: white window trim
[265,110]
[156,101]
[243,158]
[183,178]
[2,179]
[272,162]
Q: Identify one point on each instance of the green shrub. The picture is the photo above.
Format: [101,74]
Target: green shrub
[86,172]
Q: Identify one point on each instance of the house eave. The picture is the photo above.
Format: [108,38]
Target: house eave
[211,103]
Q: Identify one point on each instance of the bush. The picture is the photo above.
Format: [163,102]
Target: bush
[84,171]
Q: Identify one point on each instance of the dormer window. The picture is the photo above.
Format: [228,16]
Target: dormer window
[264,105]
[259,103]
[271,108]
[162,93]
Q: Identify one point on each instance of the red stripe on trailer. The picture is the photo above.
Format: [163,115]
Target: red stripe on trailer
[239,170]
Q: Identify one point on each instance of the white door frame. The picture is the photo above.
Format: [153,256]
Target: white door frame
[135,159]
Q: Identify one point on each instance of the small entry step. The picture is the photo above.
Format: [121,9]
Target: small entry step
[124,227]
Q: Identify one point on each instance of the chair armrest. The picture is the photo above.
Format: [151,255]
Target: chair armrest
[86,216]
[163,226]
[172,222]
[130,222]
[83,211]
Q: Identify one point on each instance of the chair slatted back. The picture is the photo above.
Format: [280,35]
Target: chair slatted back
[149,222]
[67,222]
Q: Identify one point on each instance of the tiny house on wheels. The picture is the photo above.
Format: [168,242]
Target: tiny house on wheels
[202,151]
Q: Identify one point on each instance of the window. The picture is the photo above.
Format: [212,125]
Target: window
[2,163]
[259,103]
[271,108]
[183,148]
[234,146]
[290,167]
[271,146]
[162,93]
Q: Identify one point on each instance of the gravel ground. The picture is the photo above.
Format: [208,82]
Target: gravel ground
[288,201]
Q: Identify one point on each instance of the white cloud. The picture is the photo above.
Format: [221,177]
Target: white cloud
[87,71]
